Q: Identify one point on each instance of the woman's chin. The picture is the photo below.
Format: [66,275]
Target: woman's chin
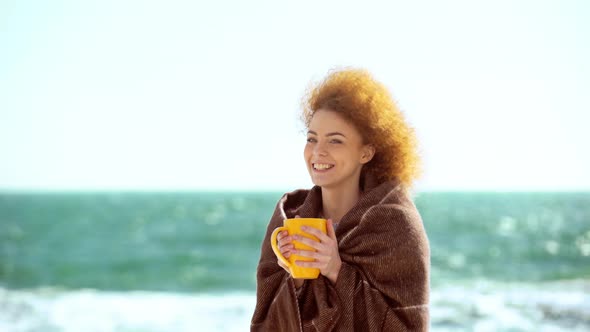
[321,183]
[318,183]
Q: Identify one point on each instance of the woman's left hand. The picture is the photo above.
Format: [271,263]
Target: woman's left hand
[326,257]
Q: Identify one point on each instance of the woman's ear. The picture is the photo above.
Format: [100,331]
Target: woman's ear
[368,153]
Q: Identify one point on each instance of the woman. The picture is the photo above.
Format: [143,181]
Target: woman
[374,260]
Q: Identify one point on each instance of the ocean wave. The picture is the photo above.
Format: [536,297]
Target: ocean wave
[100,311]
[466,306]
[493,306]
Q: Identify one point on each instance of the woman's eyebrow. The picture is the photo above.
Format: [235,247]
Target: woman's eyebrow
[328,134]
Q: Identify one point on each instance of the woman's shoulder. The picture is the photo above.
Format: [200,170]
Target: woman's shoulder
[394,202]
[391,194]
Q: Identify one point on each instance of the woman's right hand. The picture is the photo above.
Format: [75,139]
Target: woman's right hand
[285,244]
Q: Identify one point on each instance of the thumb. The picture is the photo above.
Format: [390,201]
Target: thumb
[297,216]
[330,229]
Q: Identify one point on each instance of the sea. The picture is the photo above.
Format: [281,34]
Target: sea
[186,261]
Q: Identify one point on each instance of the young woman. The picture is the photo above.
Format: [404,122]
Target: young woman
[374,260]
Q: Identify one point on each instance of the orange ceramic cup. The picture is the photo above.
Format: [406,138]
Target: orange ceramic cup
[293,226]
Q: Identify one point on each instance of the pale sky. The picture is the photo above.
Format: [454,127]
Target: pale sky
[189,95]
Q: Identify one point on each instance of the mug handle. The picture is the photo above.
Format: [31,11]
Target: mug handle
[273,243]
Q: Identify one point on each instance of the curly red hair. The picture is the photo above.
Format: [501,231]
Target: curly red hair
[368,105]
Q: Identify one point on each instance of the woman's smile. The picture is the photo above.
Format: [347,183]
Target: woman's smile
[322,167]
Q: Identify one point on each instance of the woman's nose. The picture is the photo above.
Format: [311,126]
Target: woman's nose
[320,150]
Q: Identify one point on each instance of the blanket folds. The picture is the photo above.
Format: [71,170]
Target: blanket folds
[383,284]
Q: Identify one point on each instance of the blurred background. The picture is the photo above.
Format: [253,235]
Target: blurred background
[144,144]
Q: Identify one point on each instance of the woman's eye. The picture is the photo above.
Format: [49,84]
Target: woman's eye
[311,140]
[336,141]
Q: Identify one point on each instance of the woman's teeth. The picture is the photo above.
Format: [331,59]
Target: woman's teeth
[322,166]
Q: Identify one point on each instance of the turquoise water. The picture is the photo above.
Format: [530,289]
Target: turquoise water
[57,249]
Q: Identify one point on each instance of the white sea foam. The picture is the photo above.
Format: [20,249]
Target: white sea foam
[89,310]
[486,306]
[474,306]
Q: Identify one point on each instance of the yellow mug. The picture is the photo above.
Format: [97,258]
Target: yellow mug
[293,226]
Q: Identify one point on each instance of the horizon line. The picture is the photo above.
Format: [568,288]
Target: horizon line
[26,190]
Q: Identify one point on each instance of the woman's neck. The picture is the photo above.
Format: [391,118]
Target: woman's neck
[337,202]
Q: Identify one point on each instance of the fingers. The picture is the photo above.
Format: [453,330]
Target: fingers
[316,264]
[283,238]
[324,240]
[306,253]
[285,242]
[315,232]
[282,235]
[287,250]
[308,242]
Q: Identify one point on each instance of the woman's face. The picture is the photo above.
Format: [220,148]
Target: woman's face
[334,153]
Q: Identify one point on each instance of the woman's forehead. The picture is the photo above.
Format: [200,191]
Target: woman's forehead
[326,120]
